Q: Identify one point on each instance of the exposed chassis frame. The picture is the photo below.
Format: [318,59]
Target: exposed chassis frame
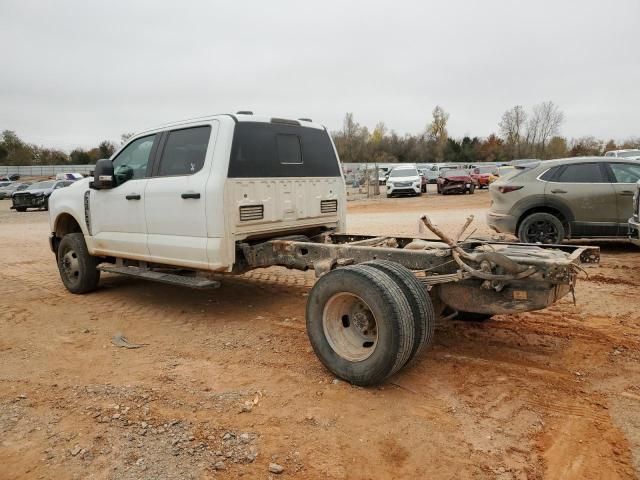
[554,277]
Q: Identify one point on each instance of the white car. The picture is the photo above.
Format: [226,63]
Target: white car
[404,180]
[628,153]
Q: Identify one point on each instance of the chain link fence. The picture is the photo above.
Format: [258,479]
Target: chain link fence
[44,170]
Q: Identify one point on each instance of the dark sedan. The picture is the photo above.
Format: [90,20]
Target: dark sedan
[37,195]
[455,181]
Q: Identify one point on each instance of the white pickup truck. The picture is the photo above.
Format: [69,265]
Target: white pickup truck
[190,201]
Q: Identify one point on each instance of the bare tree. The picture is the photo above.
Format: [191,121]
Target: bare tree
[512,128]
[548,118]
[437,131]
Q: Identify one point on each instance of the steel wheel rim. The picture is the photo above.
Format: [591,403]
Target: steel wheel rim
[71,265]
[542,231]
[350,327]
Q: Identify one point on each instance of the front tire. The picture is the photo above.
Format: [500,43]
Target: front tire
[21,209]
[76,266]
[541,228]
[360,324]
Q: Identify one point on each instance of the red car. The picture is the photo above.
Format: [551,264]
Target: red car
[455,181]
[482,175]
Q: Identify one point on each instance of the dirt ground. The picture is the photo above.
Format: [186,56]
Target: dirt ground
[227,383]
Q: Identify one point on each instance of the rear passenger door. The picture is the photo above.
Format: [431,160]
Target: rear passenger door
[585,188]
[624,177]
[175,207]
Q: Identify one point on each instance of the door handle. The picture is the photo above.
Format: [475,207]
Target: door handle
[133,196]
[558,191]
[190,195]
[626,193]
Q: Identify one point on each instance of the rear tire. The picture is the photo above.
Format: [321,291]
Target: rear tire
[76,266]
[359,323]
[424,317]
[541,228]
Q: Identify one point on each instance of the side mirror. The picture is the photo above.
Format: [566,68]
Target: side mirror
[103,175]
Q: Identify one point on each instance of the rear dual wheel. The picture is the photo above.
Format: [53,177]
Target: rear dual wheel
[364,324]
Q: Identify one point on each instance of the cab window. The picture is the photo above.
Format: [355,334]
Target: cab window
[625,172]
[131,163]
[184,151]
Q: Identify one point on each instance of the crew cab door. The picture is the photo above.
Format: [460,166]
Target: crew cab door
[624,177]
[117,215]
[176,200]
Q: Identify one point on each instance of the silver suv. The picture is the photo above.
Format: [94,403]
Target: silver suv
[553,200]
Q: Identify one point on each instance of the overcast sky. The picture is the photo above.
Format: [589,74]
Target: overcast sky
[76,72]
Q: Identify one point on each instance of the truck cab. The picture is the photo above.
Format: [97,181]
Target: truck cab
[186,193]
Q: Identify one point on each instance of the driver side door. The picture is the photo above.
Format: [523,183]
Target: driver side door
[118,224]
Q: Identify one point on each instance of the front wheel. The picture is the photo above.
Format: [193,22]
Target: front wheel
[541,228]
[77,267]
[21,209]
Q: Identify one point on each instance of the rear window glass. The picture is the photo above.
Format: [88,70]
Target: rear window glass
[289,149]
[581,173]
[549,174]
[184,151]
[280,150]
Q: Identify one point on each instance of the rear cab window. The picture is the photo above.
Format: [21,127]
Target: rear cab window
[268,150]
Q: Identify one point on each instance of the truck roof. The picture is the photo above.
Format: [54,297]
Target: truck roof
[237,117]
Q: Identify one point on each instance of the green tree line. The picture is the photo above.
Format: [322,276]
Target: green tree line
[15,151]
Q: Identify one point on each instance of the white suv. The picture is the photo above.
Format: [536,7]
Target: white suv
[629,153]
[404,180]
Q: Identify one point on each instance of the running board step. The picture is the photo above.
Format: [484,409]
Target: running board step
[170,278]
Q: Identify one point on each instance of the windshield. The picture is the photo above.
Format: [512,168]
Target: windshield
[404,172]
[42,185]
[485,169]
[630,153]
